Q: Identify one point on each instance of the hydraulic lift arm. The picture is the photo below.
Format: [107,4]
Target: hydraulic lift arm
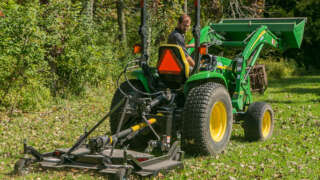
[244,63]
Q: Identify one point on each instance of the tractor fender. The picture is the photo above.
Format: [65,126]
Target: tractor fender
[140,76]
[203,77]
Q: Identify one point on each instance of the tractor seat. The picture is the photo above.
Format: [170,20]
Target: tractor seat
[172,66]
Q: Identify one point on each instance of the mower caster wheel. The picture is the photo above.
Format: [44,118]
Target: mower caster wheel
[258,123]
[20,167]
[120,175]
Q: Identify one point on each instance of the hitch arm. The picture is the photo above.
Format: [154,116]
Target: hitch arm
[82,138]
[30,150]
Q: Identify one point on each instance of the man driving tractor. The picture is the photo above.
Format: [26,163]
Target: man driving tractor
[177,36]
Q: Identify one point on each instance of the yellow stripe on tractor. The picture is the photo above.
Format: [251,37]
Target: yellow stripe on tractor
[262,33]
[224,67]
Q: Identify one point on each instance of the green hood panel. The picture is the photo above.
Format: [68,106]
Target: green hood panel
[139,75]
[205,75]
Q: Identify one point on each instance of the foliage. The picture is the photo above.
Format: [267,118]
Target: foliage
[20,57]
[69,47]
[278,69]
[50,50]
[59,48]
[308,55]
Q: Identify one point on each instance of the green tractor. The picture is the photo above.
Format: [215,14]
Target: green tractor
[171,104]
[206,100]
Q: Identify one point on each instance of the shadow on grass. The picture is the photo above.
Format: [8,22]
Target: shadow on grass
[310,90]
[283,102]
[238,138]
[9,174]
[294,80]
[293,102]
[35,168]
[188,155]
[13,174]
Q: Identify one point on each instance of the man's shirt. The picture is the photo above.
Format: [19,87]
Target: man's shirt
[176,37]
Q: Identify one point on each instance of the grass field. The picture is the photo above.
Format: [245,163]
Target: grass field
[292,153]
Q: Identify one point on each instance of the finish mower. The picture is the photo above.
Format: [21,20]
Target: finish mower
[161,106]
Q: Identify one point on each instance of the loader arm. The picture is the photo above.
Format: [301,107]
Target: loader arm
[245,62]
[253,44]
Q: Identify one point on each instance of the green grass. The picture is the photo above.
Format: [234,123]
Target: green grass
[292,153]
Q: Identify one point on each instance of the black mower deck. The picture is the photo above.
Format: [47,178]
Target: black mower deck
[142,164]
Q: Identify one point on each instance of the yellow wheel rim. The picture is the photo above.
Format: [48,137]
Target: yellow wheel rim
[218,121]
[266,123]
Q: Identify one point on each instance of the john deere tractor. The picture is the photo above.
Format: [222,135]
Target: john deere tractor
[159,108]
[205,101]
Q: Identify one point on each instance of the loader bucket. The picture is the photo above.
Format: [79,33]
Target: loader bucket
[289,30]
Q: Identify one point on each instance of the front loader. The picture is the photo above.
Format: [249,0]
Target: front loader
[162,111]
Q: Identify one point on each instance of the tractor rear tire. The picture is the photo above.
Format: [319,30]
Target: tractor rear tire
[207,119]
[140,141]
[258,124]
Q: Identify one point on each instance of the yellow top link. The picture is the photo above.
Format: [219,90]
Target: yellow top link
[142,125]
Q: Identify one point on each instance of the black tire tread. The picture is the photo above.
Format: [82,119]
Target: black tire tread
[139,141]
[195,117]
[253,118]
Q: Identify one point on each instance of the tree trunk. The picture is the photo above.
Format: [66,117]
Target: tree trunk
[90,10]
[87,10]
[121,22]
[185,9]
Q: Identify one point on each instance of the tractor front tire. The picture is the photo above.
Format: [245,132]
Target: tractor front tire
[207,119]
[258,124]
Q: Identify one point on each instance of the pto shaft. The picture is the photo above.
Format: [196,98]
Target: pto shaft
[100,141]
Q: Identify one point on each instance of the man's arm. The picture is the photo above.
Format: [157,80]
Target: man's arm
[190,61]
[180,42]
[190,45]
[189,58]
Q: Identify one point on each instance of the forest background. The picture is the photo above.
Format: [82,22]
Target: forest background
[52,50]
